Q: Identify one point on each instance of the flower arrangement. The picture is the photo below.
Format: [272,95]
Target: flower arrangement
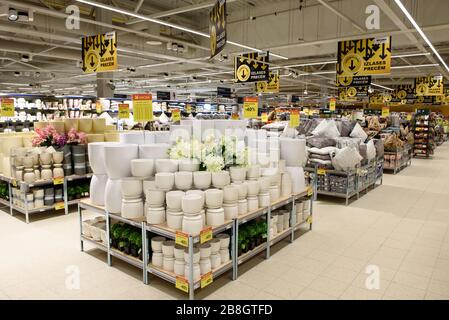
[47,137]
[74,137]
[213,155]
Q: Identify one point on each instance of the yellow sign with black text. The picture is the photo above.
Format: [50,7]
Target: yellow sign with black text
[99,53]
[6,107]
[250,107]
[143,107]
[217,28]
[123,111]
[332,104]
[385,111]
[270,86]
[429,86]
[251,67]
[294,119]
[364,57]
[176,115]
[349,80]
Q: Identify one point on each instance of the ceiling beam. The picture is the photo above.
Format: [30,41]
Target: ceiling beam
[342,15]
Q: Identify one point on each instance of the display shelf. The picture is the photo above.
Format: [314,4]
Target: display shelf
[244,218]
[133,222]
[281,202]
[127,258]
[171,276]
[250,254]
[4,202]
[280,236]
[97,244]
[33,210]
[88,205]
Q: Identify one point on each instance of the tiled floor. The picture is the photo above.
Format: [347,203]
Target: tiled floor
[399,232]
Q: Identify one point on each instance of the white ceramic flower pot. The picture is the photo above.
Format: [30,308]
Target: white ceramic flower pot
[132,137]
[174,200]
[192,204]
[196,272]
[253,203]
[113,196]
[192,224]
[253,187]
[202,179]
[174,219]
[205,266]
[243,207]
[264,184]
[224,255]
[178,252]
[215,245]
[253,172]
[191,165]
[179,267]
[97,189]
[230,194]
[224,240]
[215,217]
[199,193]
[154,151]
[142,167]
[264,199]
[166,165]
[183,180]
[132,208]
[274,194]
[205,250]
[214,198]
[165,181]
[231,211]
[157,259]
[168,263]
[242,188]
[286,189]
[215,260]
[155,198]
[237,174]
[118,158]
[155,215]
[196,256]
[220,179]
[132,187]
[156,243]
[168,248]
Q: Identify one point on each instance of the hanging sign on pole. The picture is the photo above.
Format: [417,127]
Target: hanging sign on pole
[250,107]
[99,53]
[143,107]
[217,28]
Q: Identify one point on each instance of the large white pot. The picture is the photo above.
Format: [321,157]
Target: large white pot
[97,189]
[183,180]
[113,196]
[220,179]
[202,179]
[132,208]
[293,151]
[154,151]
[165,181]
[192,204]
[132,137]
[142,167]
[117,158]
[189,165]
[132,187]
[237,174]
[298,180]
[230,194]
[214,198]
[174,200]
[166,165]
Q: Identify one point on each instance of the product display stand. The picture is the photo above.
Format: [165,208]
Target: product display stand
[25,187]
[424,134]
[347,183]
[396,161]
[188,284]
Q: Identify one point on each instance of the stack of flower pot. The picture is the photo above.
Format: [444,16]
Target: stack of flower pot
[230,205]
[286,184]
[214,203]
[168,258]
[275,180]
[117,160]
[264,192]
[253,175]
[99,178]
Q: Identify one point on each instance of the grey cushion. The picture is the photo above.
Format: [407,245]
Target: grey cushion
[320,143]
[346,128]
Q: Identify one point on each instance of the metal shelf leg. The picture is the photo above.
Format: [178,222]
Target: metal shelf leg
[144,254]
[108,241]
[267,251]
[80,216]
[234,251]
[191,282]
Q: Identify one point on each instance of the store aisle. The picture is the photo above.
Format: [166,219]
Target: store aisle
[400,230]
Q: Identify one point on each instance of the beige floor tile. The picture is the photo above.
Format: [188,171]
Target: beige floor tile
[355,293]
[404,292]
[299,277]
[417,268]
[340,274]
[364,281]
[310,294]
[329,286]
[412,280]
[439,287]
[284,289]
[435,296]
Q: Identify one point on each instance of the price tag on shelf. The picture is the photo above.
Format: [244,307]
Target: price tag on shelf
[6,107]
[98,107]
[123,111]
[309,191]
[182,238]
[309,220]
[14,183]
[250,107]
[206,280]
[321,171]
[264,117]
[58,180]
[59,205]
[182,284]
[206,235]
[176,115]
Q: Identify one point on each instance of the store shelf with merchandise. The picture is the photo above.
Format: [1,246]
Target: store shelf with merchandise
[424,134]
[20,200]
[187,283]
[400,159]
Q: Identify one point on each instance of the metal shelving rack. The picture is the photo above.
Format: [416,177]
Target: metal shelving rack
[164,231]
[357,174]
[405,154]
[25,187]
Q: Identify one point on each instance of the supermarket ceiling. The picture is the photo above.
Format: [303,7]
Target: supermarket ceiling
[161,43]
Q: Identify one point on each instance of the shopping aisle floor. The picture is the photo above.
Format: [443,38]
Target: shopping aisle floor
[400,230]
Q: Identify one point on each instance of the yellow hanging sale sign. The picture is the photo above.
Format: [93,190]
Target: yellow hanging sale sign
[7,107]
[385,111]
[143,107]
[294,119]
[250,107]
[99,53]
[332,104]
[123,111]
[176,115]
[264,117]
[270,86]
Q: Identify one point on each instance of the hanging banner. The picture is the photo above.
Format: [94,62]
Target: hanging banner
[143,107]
[364,57]
[294,119]
[403,92]
[217,28]
[270,86]
[353,81]
[424,100]
[376,98]
[251,67]
[429,86]
[99,53]
[353,92]
[6,107]
[123,111]
[250,107]
[332,104]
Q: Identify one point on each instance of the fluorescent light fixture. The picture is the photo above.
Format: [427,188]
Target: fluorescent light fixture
[423,35]
[168,24]
[381,86]
[408,55]
[416,66]
[321,72]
